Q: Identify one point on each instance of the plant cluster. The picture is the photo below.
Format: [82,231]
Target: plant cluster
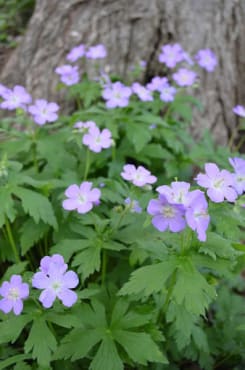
[14,15]
[150,223]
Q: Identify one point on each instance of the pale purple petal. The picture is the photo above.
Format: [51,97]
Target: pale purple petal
[70,279]
[69,204]
[68,297]
[160,223]
[40,280]
[6,305]
[72,191]
[47,298]
[17,306]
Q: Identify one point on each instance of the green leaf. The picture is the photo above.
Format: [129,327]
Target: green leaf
[124,318]
[13,360]
[11,328]
[216,245]
[77,344]
[7,208]
[182,324]
[149,279]
[107,357]
[67,247]
[139,135]
[88,261]
[15,269]
[31,232]
[41,342]
[192,290]
[37,206]
[139,346]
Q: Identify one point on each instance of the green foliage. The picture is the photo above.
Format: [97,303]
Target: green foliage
[14,15]
[146,299]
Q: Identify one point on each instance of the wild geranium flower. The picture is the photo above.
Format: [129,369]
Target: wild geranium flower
[157,83]
[139,176]
[167,93]
[56,282]
[196,214]
[69,75]
[176,193]
[116,95]
[97,140]
[184,77]
[76,53]
[43,112]
[3,90]
[84,126]
[16,98]
[134,205]
[239,176]
[81,198]
[171,55]
[218,182]
[142,92]
[13,293]
[206,59]
[239,110]
[166,215]
[96,52]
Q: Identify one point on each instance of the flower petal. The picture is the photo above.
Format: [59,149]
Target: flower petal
[68,297]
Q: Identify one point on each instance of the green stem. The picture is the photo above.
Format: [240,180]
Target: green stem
[104,267]
[11,240]
[121,217]
[87,165]
[163,311]
[170,290]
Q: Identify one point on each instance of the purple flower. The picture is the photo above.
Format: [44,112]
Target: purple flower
[184,77]
[96,52]
[82,198]
[84,126]
[157,83]
[166,215]
[176,193]
[116,95]
[56,259]
[138,176]
[13,293]
[206,59]
[152,126]
[167,93]
[56,282]
[219,183]
[43,112]
[171,55]
[68,74]
[239,176]
[16,98]
[133,205]
[97,140]
[143,93]
[239,110]
[76,53]
[3,90]
[196,214]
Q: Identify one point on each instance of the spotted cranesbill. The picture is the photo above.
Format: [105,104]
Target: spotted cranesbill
[55,282]
[81,198]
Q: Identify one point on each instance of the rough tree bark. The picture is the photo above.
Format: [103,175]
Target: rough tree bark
[134,30]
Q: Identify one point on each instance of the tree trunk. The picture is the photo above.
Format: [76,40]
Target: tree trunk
[133,30]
